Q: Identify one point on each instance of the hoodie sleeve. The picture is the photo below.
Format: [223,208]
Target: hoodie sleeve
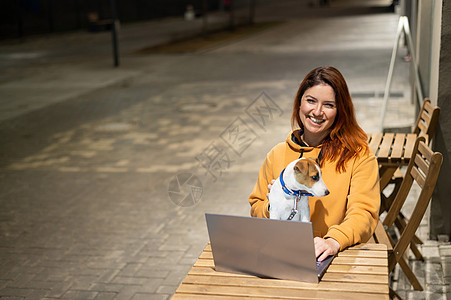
[362,207]
[258,200]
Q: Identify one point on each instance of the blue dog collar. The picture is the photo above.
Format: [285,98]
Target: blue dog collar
[291,192]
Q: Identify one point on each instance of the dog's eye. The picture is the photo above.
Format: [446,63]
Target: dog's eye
[315,177]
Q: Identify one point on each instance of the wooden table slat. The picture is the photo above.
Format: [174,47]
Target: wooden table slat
[363,253]
[255,282]
[410,142]
[368,246]
[374,142]
[329,276]
[350,277]
[376,270]
[207,289]
[398,147]
[385,147]
[204,263]
[360,261]
[216,297]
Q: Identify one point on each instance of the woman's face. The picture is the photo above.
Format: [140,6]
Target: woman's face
[318,110]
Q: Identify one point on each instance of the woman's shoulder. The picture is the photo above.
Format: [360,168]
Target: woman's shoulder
[364,156]
[278,149]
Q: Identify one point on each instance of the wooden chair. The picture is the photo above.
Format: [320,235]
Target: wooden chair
[424,127]
[427,120]
[423,168]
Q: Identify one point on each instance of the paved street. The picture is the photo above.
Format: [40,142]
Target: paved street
[91,154]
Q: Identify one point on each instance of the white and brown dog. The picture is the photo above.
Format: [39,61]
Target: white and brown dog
[288,197]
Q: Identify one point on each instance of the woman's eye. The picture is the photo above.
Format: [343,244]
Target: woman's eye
[329,105]
[310,101]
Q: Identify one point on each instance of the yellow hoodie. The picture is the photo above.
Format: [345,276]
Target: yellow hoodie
[350,212]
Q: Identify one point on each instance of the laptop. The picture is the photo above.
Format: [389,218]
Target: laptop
[265,248]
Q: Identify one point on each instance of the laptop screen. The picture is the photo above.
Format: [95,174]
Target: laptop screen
[264,247]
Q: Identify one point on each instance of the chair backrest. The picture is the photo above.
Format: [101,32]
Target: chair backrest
[427,120]
[424,167]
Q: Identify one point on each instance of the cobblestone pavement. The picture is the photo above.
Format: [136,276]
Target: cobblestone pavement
[91,155]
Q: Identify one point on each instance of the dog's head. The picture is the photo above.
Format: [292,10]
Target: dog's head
[308,174]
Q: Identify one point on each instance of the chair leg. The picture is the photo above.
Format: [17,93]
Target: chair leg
[409,274]
[386,201]
[416,251]
[401,224]
[402,220]
[385,175]
[394,295]
[385,205]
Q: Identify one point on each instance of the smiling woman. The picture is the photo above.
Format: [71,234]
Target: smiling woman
[328,131]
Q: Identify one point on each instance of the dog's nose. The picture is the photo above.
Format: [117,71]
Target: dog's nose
[327,192]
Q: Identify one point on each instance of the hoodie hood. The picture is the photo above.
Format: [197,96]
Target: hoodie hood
[298,145]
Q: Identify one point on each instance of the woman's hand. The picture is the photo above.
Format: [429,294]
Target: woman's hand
[269,187]
[325,247]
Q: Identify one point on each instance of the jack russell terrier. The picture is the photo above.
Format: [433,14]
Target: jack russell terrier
[288,197]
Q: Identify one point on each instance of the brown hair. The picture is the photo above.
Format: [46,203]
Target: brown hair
[346,138]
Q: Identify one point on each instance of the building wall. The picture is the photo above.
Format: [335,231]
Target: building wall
[435,49]
[441,201]
[423,48]
[432,35]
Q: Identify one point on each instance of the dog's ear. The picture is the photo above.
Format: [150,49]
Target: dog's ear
[301,167]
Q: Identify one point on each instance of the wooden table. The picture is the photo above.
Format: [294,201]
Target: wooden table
[392,151]
[359,272]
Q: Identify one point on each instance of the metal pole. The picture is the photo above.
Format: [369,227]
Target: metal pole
[403,26]
[114,33]
[414,62]
[390,75]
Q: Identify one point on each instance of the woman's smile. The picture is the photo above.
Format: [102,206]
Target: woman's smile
[316,121]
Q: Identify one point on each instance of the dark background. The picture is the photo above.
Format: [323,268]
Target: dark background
[27,17]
